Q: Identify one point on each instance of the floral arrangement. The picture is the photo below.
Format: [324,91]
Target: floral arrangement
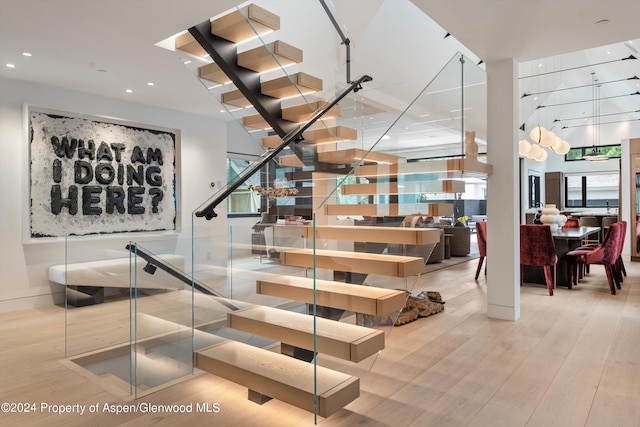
[463,219]
[274,192]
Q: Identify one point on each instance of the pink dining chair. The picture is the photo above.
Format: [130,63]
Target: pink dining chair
[537,248]
[481,228]
[605,254]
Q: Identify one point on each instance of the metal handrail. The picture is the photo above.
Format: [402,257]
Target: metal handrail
[294,136]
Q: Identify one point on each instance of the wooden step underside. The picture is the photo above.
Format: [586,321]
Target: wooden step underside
[296,114]
[235,98]
[355,262]
[301,113]
[186,43]
[291,161]
[404,187]
[237,26]
[337,339]
[270,56]
[256,121]
[373,234]
[354,155]
[245,23]
[431,209]
[344,296]
[280,377]
[323,135]
[449,168]
[213,73]
[282,87]
[291,85]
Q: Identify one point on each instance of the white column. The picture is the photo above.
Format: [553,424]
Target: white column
[503,200]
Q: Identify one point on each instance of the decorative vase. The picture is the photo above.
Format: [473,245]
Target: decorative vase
[551,216]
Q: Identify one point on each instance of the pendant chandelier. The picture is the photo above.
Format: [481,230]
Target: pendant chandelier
[543,140]
[595,155]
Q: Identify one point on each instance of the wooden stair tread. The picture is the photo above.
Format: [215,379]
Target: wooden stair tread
[256,121]
[281,377]
[290,160]
[354,155]
[405,187]
[355,262]
[373,234]
[449,168]
[213,73]
[345,296]
[282,87]
[323,135]
[243,24]
[291,85]
[187,43]
[235,98]
[300,113]
[392,209]
[270,56]
[338,339]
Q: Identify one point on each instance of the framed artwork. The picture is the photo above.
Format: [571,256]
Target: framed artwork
[91,175]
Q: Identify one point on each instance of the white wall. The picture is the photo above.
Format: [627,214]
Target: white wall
[24,266]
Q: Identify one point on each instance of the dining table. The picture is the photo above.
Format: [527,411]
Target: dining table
[565,240]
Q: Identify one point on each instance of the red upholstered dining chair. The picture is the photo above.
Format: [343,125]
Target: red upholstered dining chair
[537,248]
[481,229]
[571,223]
[606,254]
[620,269]
[619,262]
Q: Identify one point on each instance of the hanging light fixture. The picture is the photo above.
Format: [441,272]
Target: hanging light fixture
[595,155]
[542,140]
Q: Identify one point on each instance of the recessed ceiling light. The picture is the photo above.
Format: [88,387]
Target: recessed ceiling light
[129,91]
[539,65]
[26,54]
[150,84]
[222,111]
[11,65]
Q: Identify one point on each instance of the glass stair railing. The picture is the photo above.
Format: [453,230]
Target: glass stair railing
[342,241]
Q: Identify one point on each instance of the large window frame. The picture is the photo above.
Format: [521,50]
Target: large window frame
[589,192]
[613,151]
[236,163]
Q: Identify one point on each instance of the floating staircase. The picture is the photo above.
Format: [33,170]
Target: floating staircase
[263,371]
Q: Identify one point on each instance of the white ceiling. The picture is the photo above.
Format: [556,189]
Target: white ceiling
[107,47]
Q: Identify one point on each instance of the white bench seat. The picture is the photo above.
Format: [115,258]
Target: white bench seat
[115,273]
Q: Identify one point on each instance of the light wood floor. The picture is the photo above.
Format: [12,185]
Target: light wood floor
[571,360]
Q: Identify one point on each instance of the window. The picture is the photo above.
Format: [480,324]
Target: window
[592,191]
[243,200]
[611,151]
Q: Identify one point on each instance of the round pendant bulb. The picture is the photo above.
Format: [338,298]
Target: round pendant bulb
[536,134]
[564,148]
[524,147]
[542,156]
[534,152]
[547,138]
